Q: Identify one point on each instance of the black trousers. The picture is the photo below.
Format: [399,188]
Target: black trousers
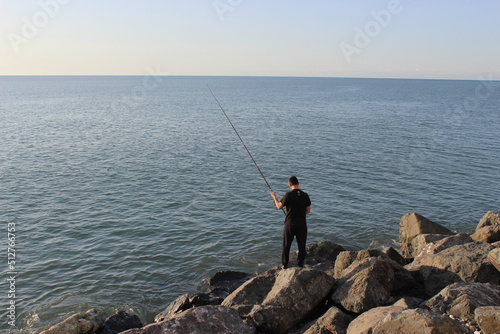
[289,232]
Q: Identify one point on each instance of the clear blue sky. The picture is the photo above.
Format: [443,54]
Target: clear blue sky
[450,39]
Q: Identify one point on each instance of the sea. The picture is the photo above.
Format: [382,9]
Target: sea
[124,192]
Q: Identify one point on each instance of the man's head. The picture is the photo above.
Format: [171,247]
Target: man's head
[293,181]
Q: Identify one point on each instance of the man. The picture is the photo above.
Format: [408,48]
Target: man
[297,205]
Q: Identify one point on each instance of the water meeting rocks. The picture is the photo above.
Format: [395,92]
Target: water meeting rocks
[412,225]
[119,322]
[80,323]
[451,282]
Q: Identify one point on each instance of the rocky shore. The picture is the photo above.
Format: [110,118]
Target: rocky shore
[438,282]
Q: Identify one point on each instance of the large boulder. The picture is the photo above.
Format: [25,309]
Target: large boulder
[80,323]
[403,280]
[119,322]
[488,229]
[461,263]
[280,300]
[494,258]
[333,321]
[461,299]
[489,219]
[252,292]
[365,284]
[488,319]
[437,246]
[365,323]
[413,224]
[211,319]
[418,321]
[185,302]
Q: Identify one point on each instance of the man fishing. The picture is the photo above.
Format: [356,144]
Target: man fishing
[298,205]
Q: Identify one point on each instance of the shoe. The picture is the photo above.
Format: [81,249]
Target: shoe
[301,264]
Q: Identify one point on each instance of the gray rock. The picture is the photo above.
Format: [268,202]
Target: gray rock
[324,253]
[333,321]
[211,319]
[403,280]
[419,321]
[299,291]
[119,322]
[80,323]
[494,258]
[461,263]
[437,246]
[228,281]
[488,319]
[185,302]
[394,255]
[364,285]
[365,323]
[461,299]
[253,291]
[408,302]
[413,224]
[279,300]
[418,243]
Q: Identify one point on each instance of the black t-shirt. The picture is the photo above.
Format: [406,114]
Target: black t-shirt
[296,201]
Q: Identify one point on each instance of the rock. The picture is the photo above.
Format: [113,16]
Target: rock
[419,321]
[365,284]
[413,224]
[408,302]
[365,323]
[487,234]
[489,219]
[333,321]
[279,300]
[211,319]
[394,255]
[322,253]
[461,263]
[418,243]
[438,246]
[80,323]
[253,291]
[461,299]
[185,302]
[228,281]
[488,319]
[120,322]
[494,258]
[403,280]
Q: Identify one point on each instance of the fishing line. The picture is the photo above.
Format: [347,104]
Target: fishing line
[242,142]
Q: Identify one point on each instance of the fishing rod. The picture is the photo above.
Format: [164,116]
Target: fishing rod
[242,142]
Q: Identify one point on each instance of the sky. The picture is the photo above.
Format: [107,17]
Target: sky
[434,39]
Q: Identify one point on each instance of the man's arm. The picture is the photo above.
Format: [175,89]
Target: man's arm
[308,209]
[278,204]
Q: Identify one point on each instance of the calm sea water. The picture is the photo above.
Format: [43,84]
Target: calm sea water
[126,192]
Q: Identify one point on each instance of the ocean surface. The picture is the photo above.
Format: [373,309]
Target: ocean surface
[125,192]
